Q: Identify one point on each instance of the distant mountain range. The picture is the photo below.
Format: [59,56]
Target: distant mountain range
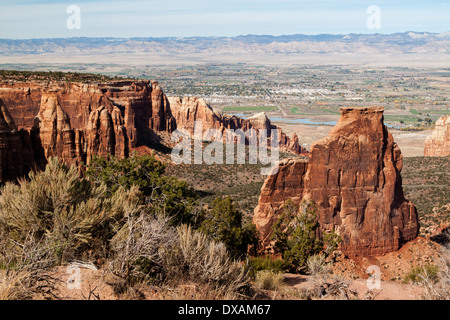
[397,43]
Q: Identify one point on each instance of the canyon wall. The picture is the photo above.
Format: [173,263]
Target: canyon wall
[188,110]
[353,176]
[16,156]
[53,136]
[77,121]
[142,104]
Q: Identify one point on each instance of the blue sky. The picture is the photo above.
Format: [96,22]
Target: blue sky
[24,19]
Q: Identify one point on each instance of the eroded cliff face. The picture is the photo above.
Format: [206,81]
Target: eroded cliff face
[76,99]
[353,176]
[187,111]
[105,134]
[142,104]
[16,155]
[287,183]
[143,107]
[438,144]
[52,134]
[76,121]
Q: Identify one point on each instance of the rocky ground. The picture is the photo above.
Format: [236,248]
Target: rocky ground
[97,285]
[388,290]
[84,281]
[394,266]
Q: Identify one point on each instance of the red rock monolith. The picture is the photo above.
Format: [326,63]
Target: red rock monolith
[353,176]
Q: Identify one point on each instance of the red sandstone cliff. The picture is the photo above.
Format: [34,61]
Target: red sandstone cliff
[353,176]
[142,104]
[53,136]
[16,156]
[438,144]
[76,121]
[105,134]
[76,99]
[143,107]
[188,110]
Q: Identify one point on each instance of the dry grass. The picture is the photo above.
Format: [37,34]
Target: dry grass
[437,286]
[24,284]
[138,250]
[60,212]
[317,265]
[175,262]
[325,285]
[12,286]
[188,291]
[195,259]
[269,280]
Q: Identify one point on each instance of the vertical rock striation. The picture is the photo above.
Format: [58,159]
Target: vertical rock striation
[188,110]
[52,134]
[353,176]
[105,134]
[75,121]
[16,156]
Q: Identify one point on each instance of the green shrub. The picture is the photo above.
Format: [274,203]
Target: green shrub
[224,224]
[178,200]
[257,264]
[296,235]
[269,280]
[57,216]
[417,274]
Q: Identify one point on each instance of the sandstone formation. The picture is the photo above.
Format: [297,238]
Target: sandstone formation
[142,104]
[16,157]
[76,121]
[77,99]
[105,134]
[188,110]
[51,134]
[287,183]
[353,176]
[438,144]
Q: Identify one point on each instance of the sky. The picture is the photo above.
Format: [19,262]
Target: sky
[26,19]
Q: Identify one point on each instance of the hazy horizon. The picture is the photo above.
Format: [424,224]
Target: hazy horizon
[240,35]
[43,19]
